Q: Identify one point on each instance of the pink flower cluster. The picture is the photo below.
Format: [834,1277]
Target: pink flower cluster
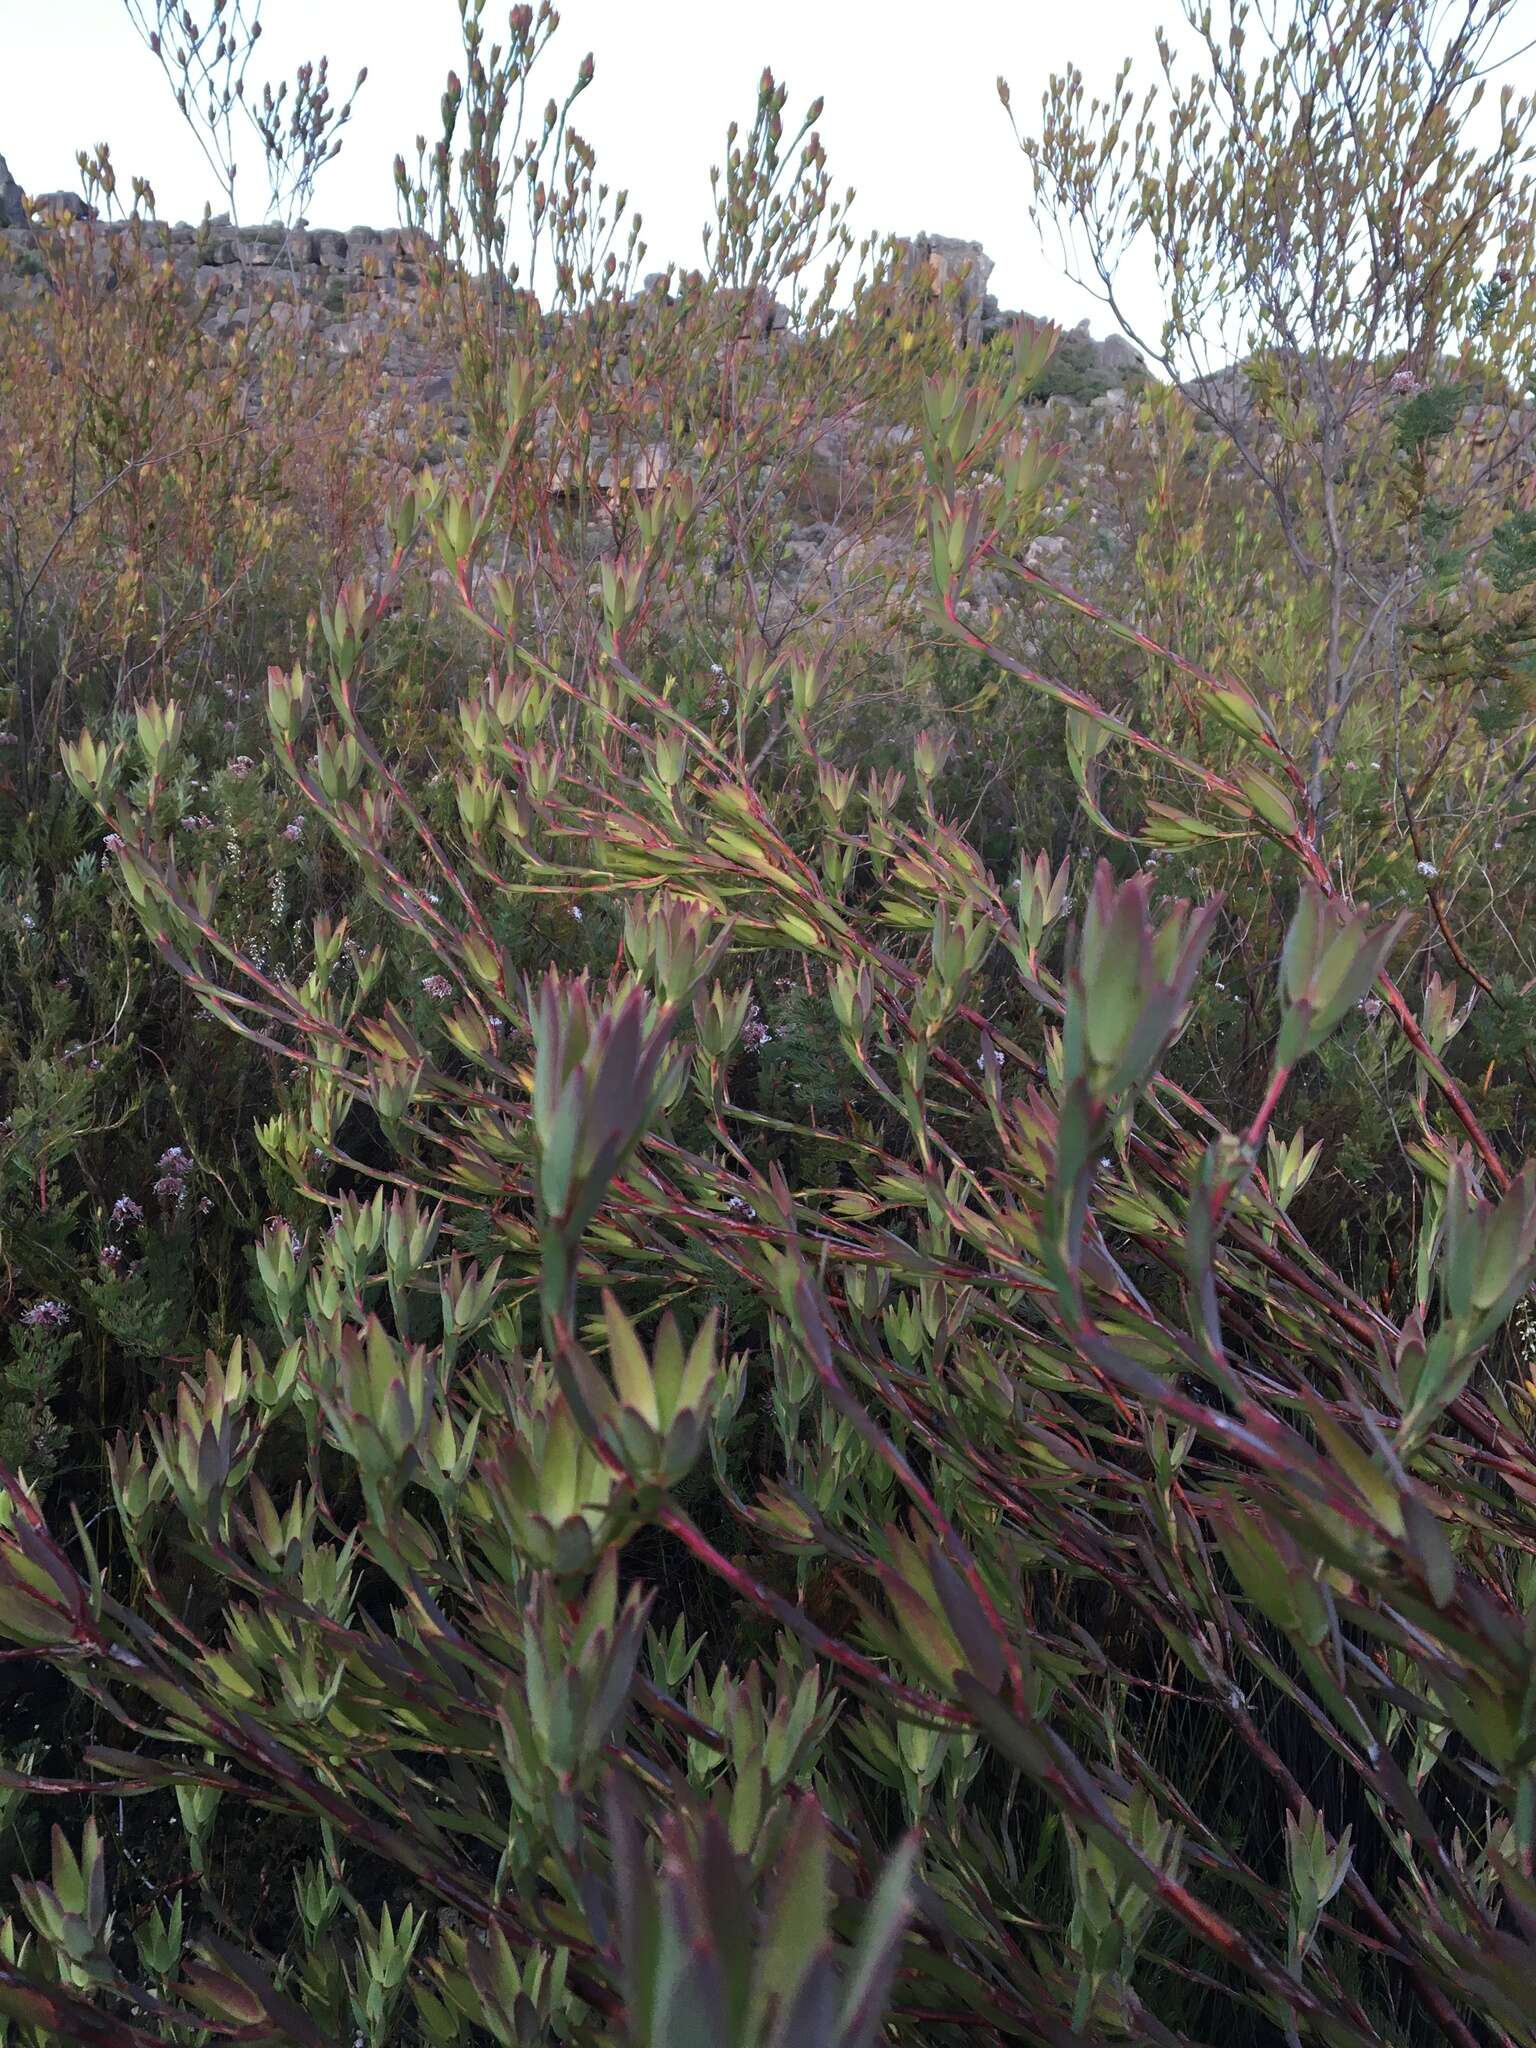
[175,1171]
[47,1315]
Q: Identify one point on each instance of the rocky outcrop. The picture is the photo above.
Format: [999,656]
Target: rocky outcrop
[761,314]
[13,212]
[1083,370]
[352,288]
[332,275]
[16,213]
[325,278]
[957,270]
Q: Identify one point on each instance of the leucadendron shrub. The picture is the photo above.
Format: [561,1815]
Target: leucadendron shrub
[176,495]
[710,1549]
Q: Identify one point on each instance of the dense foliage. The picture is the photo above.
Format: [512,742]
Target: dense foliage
[760,1197]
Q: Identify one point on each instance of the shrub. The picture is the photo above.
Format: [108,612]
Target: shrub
[676,1374]
[1069,1476]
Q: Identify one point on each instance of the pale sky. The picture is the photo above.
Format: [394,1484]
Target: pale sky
[912,118]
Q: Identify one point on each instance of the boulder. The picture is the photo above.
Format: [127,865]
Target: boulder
[48,204]
[216,246]
[262,248]
[1116,353]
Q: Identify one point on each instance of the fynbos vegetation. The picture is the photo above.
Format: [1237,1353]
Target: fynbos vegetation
[762,1203]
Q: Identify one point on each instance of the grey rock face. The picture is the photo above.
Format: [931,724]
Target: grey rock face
[12,213]
[965,266]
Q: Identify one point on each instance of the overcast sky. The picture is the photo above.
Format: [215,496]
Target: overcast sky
[912,118]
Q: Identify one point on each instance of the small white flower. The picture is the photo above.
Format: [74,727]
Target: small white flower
[1428,870]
